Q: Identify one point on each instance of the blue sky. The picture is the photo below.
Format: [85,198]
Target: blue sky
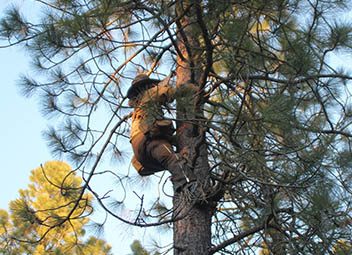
[23,146]
[21,125]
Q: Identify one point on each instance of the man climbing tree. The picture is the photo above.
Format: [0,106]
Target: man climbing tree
[151,134]
[269,125]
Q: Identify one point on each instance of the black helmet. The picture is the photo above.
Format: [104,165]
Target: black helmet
[142,81]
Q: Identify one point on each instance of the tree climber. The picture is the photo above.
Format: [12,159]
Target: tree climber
[151,134]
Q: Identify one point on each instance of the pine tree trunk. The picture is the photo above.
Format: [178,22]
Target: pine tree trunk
[192,232]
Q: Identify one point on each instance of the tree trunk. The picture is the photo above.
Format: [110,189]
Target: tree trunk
[192,232]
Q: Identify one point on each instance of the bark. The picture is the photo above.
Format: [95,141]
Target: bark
[192,233]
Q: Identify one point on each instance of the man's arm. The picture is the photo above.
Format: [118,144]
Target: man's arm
[164,93]
[160,93]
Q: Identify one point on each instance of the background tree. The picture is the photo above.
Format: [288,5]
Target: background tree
[41,222]
[138,249]
[269,128]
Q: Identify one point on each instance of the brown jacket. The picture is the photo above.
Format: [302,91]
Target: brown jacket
[148,108]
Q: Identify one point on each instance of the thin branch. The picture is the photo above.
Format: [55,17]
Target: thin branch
[237,238]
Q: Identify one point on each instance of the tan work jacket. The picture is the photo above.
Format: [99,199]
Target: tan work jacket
[147,108]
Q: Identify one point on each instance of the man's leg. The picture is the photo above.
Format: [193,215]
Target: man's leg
[142,170]
[140,160]
[161,151]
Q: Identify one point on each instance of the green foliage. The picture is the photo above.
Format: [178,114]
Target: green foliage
[49,216]
[342,247]
[340,36]
[138,249]
[14,25]
[276,112]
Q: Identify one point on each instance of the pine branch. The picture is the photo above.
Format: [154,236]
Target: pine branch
[237,238]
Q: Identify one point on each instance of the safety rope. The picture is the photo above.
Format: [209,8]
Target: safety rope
[178,159]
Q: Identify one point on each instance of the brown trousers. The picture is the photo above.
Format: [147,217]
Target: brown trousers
[155,154]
